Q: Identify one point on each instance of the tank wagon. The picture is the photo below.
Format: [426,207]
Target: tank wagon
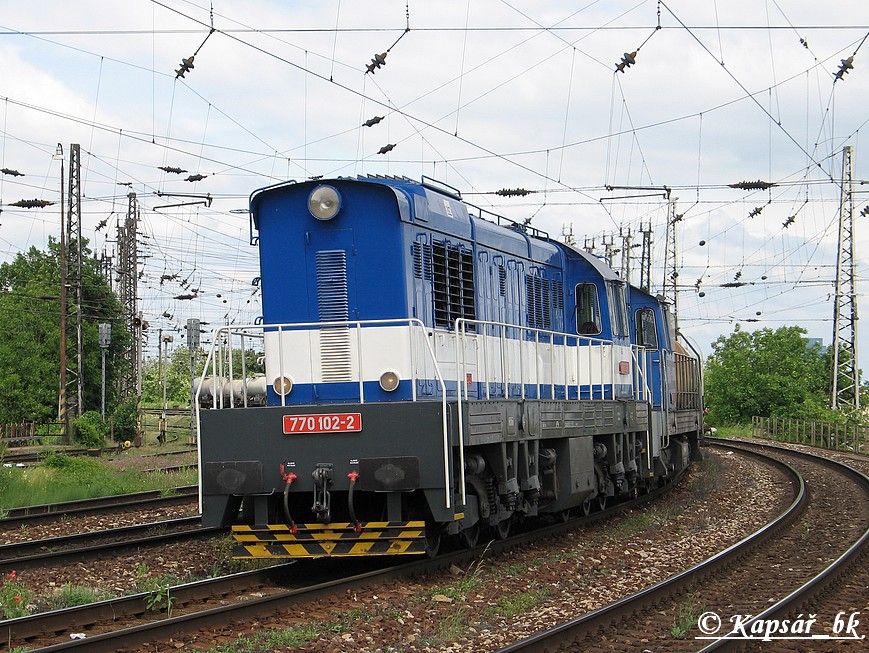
[433,370]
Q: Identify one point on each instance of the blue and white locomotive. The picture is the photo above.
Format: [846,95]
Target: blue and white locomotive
[433,370]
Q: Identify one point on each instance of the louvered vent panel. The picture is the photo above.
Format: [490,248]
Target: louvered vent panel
[539,298]
[422,263]
[502,280]
[333,306]
[453,276]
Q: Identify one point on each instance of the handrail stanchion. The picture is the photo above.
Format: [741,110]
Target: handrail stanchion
[208,359]
[537,360]
[410,332]
[484,345]
[505,376]
[460,381]
[231,376]
[551,366]
[521,334]
[281,363]
[243,371]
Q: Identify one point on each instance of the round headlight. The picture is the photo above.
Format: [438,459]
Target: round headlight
[389,381]
[283,385]
[324,202]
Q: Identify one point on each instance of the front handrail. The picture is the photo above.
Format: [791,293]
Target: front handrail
[225,334]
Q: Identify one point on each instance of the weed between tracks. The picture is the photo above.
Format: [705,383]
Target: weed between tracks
[686,618]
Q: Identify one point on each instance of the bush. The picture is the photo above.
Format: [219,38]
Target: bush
[90,430]
[126,419]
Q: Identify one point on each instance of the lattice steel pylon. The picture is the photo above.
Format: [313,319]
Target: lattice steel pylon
[671,263]
[127,283]
[75,354]
[845,389]
[646,258]
[626,235]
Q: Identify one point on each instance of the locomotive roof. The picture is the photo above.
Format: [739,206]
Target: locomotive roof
[423,188]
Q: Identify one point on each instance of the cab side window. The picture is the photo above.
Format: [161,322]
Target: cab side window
[647,333]
[588,318]
[618,309]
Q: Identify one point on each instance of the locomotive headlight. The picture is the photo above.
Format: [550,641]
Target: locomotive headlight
[389,380]
[324,202]
[283,385]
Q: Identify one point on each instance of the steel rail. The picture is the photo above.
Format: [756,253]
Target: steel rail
[151,498]
[818,583]
[568,632]
[36,552]
[163,628]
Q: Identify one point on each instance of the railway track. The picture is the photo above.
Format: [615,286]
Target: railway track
[104,622]
[27,458]
[84,545]
[145,500]
[740,579]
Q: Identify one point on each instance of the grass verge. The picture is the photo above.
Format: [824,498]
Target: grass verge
[67,478]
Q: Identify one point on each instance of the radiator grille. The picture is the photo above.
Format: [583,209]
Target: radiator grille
[453,272]
[333,306]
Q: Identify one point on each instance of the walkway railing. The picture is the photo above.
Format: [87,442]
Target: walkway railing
[815,433]
[227,341]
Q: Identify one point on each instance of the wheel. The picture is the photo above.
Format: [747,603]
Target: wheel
[586,507]
[502,530]
[432,539]
[470,536]
[601,501]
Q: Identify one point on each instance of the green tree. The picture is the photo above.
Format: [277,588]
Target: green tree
[766,373]
[30,334]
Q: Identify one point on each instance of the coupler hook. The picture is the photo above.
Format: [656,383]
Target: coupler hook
[322,476]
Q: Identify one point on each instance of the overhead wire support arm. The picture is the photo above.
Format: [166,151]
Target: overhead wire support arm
[848,64]
[187,63]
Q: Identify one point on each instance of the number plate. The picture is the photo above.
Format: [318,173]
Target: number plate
[323,423]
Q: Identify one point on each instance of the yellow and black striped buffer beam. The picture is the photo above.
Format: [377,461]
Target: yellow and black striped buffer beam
[336,539]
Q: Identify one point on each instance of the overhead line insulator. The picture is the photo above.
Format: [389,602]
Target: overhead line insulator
[513,192]
[752,185]
[11,172]
[195,177]
[31,204]
[372,121]
[628,59]
[185,67]
[386,148]
[377,61]
[172,169]
[844,67]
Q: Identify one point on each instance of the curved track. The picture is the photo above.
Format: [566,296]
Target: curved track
[740,579]
[102,620]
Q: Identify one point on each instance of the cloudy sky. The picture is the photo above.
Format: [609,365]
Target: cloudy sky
[482,94]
